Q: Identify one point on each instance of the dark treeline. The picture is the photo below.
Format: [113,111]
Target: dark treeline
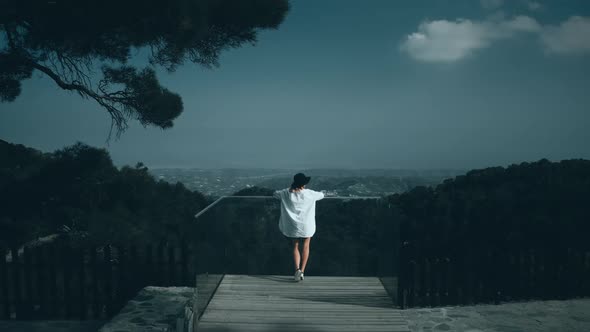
[496,234]
[530,205]
[78,191]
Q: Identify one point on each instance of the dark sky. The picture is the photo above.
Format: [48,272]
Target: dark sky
[359,84]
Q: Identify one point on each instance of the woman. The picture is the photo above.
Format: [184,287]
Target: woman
[297,220]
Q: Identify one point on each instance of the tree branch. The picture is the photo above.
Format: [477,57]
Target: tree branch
[116,115]
[9,36]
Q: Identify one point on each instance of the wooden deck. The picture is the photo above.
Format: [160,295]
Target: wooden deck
[277,303]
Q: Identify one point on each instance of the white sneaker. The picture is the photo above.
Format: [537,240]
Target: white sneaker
[298,275]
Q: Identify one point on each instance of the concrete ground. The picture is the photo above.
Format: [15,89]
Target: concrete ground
[50,326]
[533,316]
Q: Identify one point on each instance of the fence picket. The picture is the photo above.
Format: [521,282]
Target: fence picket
[56,281]
[66,260]
[27,307]
[160,261]
[491,275]
[16,282]
[108,286]
[149,266]
[185,278]
[134,265]
[81,267]
[4,300]
[171,267]
[94,286]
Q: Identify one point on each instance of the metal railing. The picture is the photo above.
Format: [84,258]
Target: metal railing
[271,197]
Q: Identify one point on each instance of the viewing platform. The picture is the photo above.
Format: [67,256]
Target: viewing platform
[319,303]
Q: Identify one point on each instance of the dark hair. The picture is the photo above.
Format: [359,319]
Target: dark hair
[293,186]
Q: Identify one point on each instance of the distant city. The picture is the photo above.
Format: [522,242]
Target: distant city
[336,182]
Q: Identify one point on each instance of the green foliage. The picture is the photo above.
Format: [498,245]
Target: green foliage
[79,190]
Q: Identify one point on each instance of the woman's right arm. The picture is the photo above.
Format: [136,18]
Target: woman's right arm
[319,195]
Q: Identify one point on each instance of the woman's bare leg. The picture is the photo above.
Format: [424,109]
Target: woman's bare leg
[305,253]
[296,255]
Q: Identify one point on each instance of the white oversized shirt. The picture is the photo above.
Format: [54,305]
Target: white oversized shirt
[298,211]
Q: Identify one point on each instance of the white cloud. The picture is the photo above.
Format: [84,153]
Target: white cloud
[448,41]
[533,5]
[491,4]
[570,37]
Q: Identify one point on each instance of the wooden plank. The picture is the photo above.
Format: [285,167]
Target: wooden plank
[296,327]
[269,303]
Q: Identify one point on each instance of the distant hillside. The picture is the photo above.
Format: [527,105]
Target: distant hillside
[338,182]
[77,190]
[357,185]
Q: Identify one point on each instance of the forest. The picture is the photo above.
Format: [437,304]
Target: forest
[77,193]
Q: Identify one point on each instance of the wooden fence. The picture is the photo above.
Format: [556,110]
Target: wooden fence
[61,282]
[492,276]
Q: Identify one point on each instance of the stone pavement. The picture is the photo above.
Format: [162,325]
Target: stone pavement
[533,316]
[153,309]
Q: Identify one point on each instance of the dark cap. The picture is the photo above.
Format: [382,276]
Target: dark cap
[300,179]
